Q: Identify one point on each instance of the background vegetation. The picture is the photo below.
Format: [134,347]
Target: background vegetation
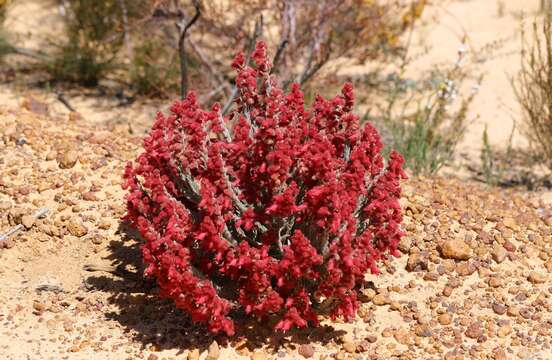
[533,87]
[161,48]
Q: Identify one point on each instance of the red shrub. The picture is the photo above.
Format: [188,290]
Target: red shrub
[272,210]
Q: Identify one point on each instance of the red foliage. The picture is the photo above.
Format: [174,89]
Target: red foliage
[272,210]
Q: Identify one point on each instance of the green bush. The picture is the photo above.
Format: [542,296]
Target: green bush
[94,37]
[487,157]
[96,32]
[5,47]
[425,119]
[154,70]
[3,9]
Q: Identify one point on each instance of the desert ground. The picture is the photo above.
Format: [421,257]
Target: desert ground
[474,279]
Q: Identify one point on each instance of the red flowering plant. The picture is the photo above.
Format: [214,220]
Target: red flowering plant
[274,210]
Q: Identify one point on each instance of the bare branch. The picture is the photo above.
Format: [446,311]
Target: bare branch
[278,55]
[183,27]
[61,97]
[230,100]
[311,69]
[26,52]
[126,28]
[207,97]
[37,215]
[309,61]
[220,81]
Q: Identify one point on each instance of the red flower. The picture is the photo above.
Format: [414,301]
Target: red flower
[272,209]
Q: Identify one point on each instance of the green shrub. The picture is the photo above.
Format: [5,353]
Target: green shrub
[487,158]
[94,37]
[5,47]
[425,119]
[3,9]
[503,166]
[154,70]
[83,65]
[137,41]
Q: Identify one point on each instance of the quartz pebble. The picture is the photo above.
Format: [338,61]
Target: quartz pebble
[306,350]
[536,277]
[67,158]
[76,228]
[499,254]
[213,353]
[456,249]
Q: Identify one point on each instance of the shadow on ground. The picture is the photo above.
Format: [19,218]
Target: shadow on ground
[159,324]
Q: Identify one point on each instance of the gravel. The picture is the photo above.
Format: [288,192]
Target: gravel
[474,281]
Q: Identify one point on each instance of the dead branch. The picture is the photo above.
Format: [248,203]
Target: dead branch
[62,99]
[115,270]
[49,288]
[311,68]
[230,101]
[27,52]
[278,55]
[287,33]
[207,97]
[184,26]
[126,27]
[37,215]
[219,80]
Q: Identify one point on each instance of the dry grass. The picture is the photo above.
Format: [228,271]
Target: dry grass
[533,87]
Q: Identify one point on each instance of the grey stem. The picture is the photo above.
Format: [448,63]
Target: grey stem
[37,215]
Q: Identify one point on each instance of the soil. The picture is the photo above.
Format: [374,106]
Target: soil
[474,280]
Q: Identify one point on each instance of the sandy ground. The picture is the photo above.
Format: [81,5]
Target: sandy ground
[488,296]
[492,38]
[494,47]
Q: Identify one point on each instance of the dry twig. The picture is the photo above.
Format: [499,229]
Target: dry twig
[184,26]
[40,213]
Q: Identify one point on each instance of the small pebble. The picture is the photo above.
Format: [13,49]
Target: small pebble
[306,350]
